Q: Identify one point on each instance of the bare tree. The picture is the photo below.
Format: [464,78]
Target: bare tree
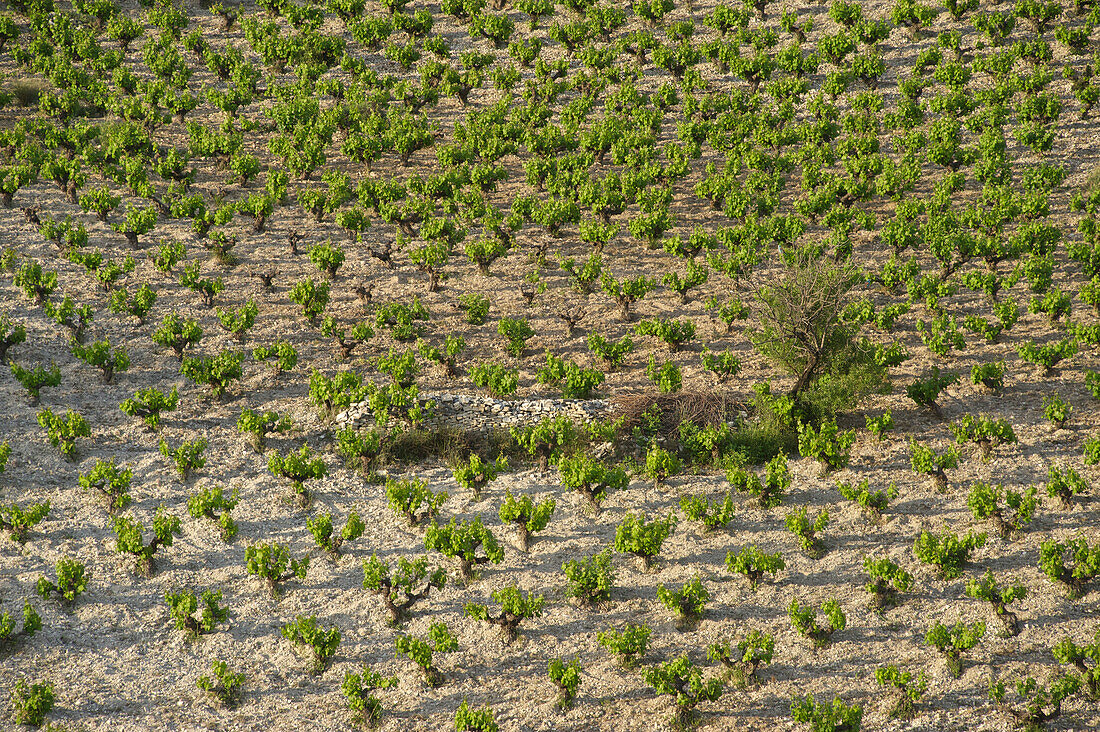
[800,329]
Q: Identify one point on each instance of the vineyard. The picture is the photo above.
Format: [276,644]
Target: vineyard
[822,281]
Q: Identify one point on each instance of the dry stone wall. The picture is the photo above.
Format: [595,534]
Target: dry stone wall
[484,414]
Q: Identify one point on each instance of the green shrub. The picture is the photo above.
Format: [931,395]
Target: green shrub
[139,304]
[626,292]
[113,483]
[147,404]
[540,440]
[575,381]
[986,588]
[35,283]
[401,366]
[217,372]
[590,579]
[402,586]
[99,355]
[515,607]
[925,392]
[665,376]
[629,644]
[284,355]
[440,640]
[461,541]
[880,425]
[688,603]
[365,707]
[709,444]
[67,313]
[498,379]
[322,529]
[467,719]
[984,432]
[35,378]
[63,432]
[206,289]
[805,530]
[187,458]
[304,631]
[19,521]
[402,320]
[1092,382]
[942,336]
[72,580]
[643,540]
[1036,699]
[723,364]
[769,492]
[925,461]
[361,450]
[1066,651]
[989,375]
[475,308]
[168,255]
[804,620]
[951,642]
[327,257]
[1013,517]
[177,332]
[182,606]
[1073,563]
[1064,484]
[886,580]
[269,562]
[225,686]
[908,689]
[474,474]
[345,339]
[567,677]
[311,297]
[800,330]
[754,651]
[129,539]
[408,496]
[256,425]
[31,702]
[947,551]
[835,717]
[447,356]
[674,333]
[1056,410]
[298,467]
[591,478]
[527,516]
[1047,356]
[613,353]
[12,333]
[335,394]
[682,680]
[754,564]
[826,444]
[212,503]
[517,332]
[713,513]
[873,503]
[32,623]
[238,322]
[484,251]
[660,464]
